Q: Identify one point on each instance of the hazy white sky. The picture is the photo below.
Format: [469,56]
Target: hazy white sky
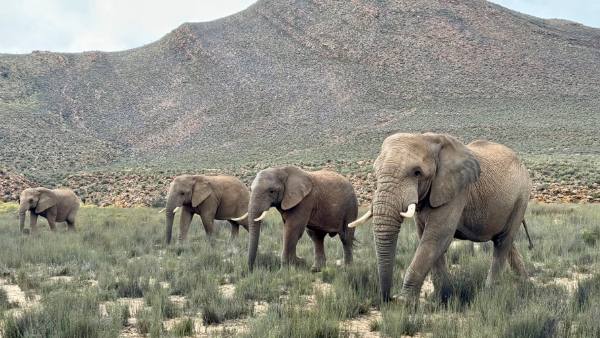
[109,25]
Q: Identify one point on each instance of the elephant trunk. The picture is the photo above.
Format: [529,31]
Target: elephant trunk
[22,210]
[170,216]
[254,230]
[388,215]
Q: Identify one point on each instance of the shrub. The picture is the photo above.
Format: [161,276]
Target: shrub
[184,328]
[64,314]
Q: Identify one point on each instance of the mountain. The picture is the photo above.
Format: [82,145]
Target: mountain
[293,81]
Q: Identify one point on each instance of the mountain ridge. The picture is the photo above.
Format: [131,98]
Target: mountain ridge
[305,80]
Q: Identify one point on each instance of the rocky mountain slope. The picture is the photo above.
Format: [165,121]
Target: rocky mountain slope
[292,81]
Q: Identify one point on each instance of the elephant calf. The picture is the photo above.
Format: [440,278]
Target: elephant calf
[211,197]
[58,205]
[322,202]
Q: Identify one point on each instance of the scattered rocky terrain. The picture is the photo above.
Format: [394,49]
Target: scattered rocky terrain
[136,188]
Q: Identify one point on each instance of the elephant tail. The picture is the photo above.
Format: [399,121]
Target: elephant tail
[528,237]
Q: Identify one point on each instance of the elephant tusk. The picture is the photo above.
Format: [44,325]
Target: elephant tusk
[410,212]
[361,220]
[239,218]
[176,210]
[263,215]
[162,210]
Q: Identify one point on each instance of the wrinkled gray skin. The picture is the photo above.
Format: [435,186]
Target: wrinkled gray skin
[211,197]
[477,192]
[58,205]
[322,202]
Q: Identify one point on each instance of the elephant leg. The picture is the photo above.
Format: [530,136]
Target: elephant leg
[433,244]
[292,232]
[235,229]
[439,271]
[441,279]
[52,223]
[501,249]
[503,245]
[208,222]
[207,213]
[33,222]
[184,223]
[347,239]
[516,262]
[318,238]
[71,222]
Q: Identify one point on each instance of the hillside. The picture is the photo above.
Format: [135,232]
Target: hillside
[304,81]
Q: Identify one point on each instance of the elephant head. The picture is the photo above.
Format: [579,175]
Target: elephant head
[281,187]
[35,199]
[414,170]
[185,190]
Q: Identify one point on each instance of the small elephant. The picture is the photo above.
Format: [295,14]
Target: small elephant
[211,197]
[322,202]
[58,205]
[478,192]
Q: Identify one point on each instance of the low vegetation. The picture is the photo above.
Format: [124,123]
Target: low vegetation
[114,275]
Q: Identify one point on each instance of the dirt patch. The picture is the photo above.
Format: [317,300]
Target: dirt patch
[569,283]
[16,296]
[61,279]
[321,287]
[135,305]
[361,326]
[178,301]
[260,308]
[427,288]
[227,290]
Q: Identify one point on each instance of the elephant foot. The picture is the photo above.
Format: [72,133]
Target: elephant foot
[316,268]
[444,292]
[295,261]
[408,300]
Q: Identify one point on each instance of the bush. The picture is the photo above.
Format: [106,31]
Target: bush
[216,308]
[591,236]
[398,321]
[159,300]
[184,328]
[534,322]
[64,314]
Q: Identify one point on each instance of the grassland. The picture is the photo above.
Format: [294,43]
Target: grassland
[114,276]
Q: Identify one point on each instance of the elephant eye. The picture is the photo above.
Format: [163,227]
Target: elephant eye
[271,191]
[182,193]
[417,173]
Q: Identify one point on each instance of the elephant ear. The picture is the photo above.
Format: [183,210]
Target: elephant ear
[200,191]
[47,200]
[457,167]
[297,186]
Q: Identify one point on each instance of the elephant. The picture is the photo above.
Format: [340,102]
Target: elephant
[58,205]
[477,192]
[322,202]
[212,197]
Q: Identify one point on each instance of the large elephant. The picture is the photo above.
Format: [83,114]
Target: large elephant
[322,202]
[58,205]
[477,192]
[211,197]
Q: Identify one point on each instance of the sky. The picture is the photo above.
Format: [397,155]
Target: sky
[111,25]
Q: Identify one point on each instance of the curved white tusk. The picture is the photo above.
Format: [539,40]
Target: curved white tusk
[264,214]
[361,220]
[239,218]
[176,210]
[162,210]
[410,212]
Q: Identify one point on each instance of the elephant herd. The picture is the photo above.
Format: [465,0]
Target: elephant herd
[477,192]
